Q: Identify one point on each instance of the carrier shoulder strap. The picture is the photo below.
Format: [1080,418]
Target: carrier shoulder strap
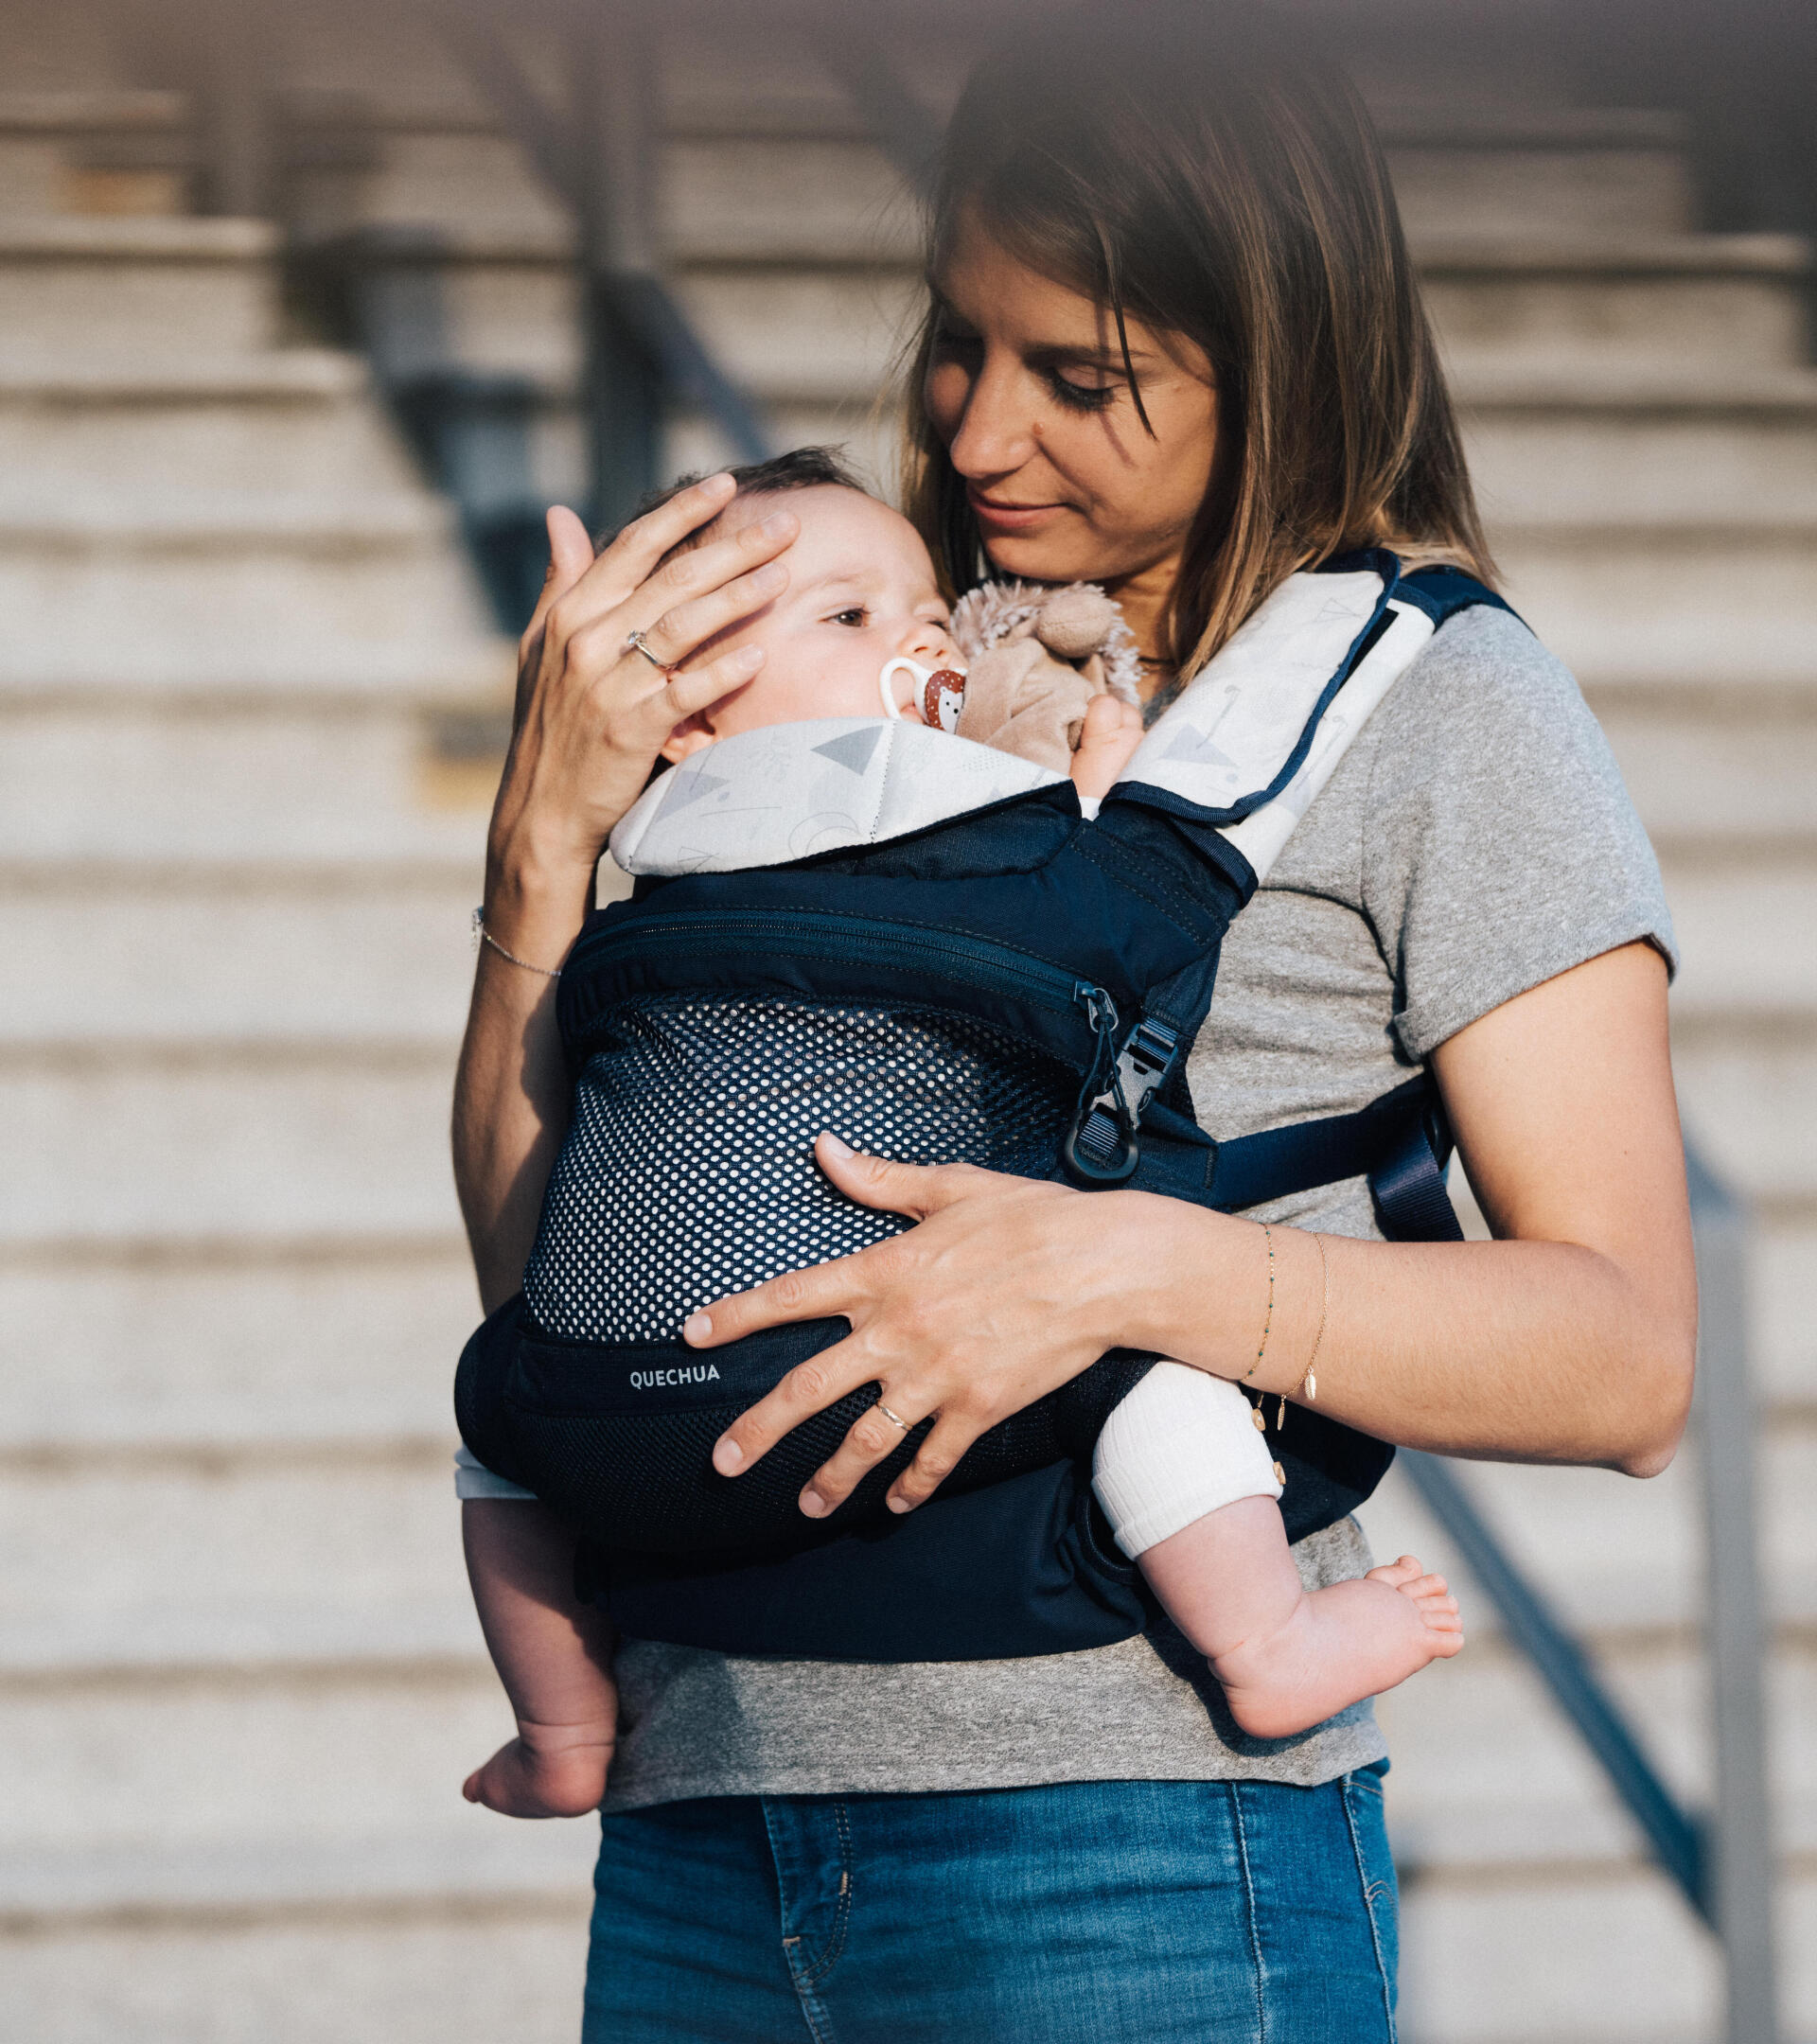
[1104,1146]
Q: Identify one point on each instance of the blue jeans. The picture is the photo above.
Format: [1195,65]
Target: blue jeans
[1097,1912]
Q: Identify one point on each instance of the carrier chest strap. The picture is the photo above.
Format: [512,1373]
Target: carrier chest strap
[1400,1143]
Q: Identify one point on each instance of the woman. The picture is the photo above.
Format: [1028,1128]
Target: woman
[1173,346]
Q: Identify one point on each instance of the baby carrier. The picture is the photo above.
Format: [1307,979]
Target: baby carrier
[1009,984]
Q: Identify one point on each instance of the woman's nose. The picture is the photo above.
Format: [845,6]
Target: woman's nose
[995,434]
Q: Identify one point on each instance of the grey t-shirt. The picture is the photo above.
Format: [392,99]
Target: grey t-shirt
[1475,840]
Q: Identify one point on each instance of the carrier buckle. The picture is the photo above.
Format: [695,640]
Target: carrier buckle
[1104,1146]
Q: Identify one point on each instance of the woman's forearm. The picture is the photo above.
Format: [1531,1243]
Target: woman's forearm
[1522,1350]
[511,1093]
[1572,1337]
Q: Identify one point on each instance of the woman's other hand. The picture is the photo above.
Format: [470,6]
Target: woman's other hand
[1007,1288]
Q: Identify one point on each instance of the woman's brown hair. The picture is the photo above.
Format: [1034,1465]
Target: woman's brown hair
[1189,166]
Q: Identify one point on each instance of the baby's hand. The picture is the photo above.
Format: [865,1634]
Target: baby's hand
[1112,731]
[547,1770]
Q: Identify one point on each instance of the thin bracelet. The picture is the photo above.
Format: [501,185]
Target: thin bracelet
[1309,1384]
[482,935]
[1267,1236]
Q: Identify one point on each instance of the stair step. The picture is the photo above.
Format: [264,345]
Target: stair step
[1706,779]
[223,1140]
[346,1553]
[792,330]
[333,616]
[1695,608]
[469,1971]
[260,785]
[254,1789]
[1623,170]
[1748,1091]
[271,1138]
[137,287]
[294,426]
[319,1343]
[46,135]
[1734,302]
[358,954]
[1587,1956]
[339,1556]
[1747,931]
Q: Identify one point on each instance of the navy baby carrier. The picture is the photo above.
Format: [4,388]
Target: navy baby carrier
[1009,984]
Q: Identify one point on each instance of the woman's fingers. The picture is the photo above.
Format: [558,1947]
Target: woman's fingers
[687,626]
[631,586]
[809,1388]
[915,1190]
[570,554]
[873,1436]
[631,557]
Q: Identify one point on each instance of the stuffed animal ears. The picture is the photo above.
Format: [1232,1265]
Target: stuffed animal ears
[1078,624]
[1074,623]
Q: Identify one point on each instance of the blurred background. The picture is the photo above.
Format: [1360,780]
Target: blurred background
[304,314]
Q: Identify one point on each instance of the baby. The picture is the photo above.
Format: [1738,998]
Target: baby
[1180,1467]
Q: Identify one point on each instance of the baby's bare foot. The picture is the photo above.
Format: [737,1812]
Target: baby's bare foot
[1346,1642]
[534,1775]
[1430,1595]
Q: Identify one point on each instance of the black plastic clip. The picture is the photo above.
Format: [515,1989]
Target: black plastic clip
[1104,1146]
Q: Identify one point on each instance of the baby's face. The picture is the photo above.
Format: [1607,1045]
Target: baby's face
[861,592]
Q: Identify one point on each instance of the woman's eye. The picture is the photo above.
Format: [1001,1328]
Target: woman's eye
[1081,396]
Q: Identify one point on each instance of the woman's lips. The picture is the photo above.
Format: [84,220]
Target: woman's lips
[1009,517]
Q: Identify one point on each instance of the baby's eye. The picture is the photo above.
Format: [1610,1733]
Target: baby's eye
[857,616]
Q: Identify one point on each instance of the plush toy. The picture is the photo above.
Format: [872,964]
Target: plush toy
[1034,658]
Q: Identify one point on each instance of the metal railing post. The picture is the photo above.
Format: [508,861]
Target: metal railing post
[615,82]
[1740,1832]
[236,109]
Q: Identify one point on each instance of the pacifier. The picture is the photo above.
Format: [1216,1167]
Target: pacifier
[933,693]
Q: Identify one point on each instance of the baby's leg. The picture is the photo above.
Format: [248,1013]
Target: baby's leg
[1287,1658]
[1188,1485]
[552,1654]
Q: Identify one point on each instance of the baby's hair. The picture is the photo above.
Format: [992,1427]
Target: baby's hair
[801,468]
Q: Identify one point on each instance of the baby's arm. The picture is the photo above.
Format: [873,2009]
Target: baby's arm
[1112,731]
[553,1656]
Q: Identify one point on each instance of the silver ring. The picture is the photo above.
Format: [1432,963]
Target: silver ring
[892,1418]
[634,643]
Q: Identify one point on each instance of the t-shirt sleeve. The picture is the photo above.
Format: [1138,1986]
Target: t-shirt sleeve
[1500,847]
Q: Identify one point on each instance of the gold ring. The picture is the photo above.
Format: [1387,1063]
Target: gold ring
[893,1417]
[634,643]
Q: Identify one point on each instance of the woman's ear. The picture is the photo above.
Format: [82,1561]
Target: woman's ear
[688,737]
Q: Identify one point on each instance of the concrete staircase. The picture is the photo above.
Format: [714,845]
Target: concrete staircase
[1643,427]
[238,1679]
[240,1682]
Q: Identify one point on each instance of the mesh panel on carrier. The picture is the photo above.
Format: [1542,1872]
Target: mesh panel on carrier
[689,1172]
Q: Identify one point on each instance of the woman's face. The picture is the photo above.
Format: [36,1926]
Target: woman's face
[1026,385]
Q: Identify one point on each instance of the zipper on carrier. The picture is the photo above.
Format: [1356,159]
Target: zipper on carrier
[975,960]
[1101,1147]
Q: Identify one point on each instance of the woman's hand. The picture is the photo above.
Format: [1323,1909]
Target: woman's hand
[592,710]
[1006,1289]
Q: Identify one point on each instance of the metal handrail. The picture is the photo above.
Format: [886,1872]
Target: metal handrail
[1723,1860]
[1675,1836]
